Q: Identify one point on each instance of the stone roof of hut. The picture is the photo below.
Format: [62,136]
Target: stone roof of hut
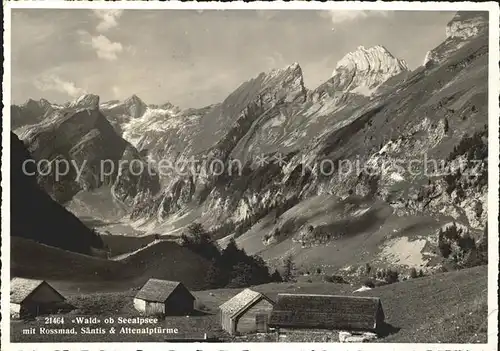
[157,290]
[22,288]
[326,312]
[241,302]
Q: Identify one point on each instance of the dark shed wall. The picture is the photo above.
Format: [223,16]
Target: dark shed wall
[380,317]
[179,302]
[43,300]
[246,323]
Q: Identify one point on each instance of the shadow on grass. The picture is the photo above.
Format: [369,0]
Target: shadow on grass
[29,315]
[387,329]
[200,313]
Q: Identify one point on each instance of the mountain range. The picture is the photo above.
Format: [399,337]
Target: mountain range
[317,177]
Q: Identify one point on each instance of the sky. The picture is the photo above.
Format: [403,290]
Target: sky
[194,58]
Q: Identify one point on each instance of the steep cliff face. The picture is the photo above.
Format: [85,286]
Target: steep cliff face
[169,134]
[406,162]
[464,26]
[271,115]
[306,143]
[430,113]
[195,138]
[78,149]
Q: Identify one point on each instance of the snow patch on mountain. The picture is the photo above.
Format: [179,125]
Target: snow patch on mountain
[277,121]
[153,119]
[364,90]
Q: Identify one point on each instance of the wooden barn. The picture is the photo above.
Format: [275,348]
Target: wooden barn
[247,312]
[31,297]
[163,297]
[331,312]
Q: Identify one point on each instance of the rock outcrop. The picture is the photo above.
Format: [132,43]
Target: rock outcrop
[463,27]
[89,153]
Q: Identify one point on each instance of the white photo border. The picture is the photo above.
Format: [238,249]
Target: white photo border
[493,171]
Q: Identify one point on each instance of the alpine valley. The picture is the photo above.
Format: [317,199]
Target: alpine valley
[305,188]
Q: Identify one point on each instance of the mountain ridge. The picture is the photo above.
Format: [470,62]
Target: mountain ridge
[462,28]
[80,135]
[372,110]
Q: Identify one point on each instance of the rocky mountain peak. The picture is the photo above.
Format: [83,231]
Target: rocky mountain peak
[87,101]
[467,24]
[135,106]
[30,102]
[293,70]
[374,59]
[288,80]
[133,99]
[362,71]
[30,112]
[45,103]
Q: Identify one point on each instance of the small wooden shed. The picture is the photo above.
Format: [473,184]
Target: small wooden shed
[247,312]
[332,312]
[32,297]
[163,297]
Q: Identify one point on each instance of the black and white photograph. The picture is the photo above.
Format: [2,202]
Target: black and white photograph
[225,174]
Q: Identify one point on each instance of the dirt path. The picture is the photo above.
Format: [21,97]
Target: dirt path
[128,254]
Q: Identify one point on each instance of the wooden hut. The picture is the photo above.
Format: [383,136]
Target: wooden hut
[32,297]
[331,312]
[163,297]
[247,312]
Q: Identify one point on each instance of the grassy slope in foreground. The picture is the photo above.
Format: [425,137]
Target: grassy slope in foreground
[447,308]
